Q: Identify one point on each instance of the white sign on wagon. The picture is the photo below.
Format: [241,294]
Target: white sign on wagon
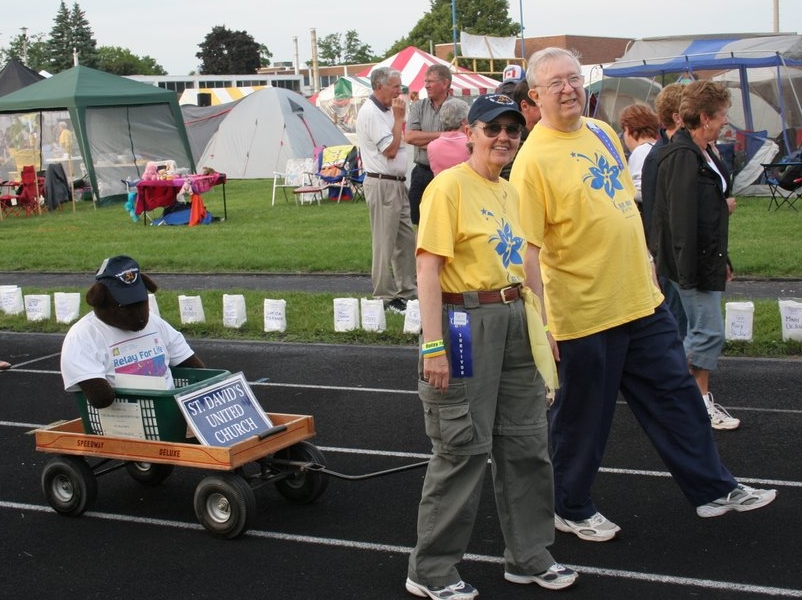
[224,413]
[122,419]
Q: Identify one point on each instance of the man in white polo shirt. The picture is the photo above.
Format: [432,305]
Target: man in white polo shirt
[379,130]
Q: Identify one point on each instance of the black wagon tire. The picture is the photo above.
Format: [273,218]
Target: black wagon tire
[69,485]
[225,504]
[302,487]
[150,474]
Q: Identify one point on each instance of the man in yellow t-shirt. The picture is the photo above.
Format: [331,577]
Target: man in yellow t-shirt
[65,137]
[612,332]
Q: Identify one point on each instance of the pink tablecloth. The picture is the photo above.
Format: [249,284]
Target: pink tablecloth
[163,192]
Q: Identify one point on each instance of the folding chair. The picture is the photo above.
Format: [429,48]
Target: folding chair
[356,179]
[785,182]
[299,175]
[339,168]
[26,197]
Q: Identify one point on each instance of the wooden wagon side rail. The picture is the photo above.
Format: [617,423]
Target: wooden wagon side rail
[69,438]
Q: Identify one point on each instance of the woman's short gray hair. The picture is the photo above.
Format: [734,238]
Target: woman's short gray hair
[453,114]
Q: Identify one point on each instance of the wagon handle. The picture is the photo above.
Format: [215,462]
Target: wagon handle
[323,469]
[272,431]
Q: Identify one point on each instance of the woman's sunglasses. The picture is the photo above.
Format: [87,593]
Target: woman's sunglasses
[513,130]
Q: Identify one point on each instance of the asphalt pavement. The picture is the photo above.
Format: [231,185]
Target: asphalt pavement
[138,541]
[345,283]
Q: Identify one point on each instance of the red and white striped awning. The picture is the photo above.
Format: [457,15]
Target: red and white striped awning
[413,62]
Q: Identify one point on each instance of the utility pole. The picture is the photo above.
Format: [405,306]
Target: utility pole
[314,71]
[454,27]
[776,16]
[24,46]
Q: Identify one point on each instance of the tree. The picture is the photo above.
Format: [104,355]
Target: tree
[225,52]
[264,56]
[35,48]
[121,61]
[329,50]
[356,52]
[480,17]
[82,39]
[60,42]
[336,49]
[70,32]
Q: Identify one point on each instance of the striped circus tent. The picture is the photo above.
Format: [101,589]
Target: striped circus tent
[413,62]
[342,100]
[218,95]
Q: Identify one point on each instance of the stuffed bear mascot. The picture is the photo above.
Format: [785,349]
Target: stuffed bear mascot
[120,336]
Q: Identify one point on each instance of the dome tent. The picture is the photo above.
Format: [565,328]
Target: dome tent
[263,130]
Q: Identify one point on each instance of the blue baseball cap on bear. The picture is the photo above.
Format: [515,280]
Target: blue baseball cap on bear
[120,274]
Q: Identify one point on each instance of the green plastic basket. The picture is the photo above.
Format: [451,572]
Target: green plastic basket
[162,419]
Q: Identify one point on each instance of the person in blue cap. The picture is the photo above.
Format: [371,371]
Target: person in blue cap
[480,384]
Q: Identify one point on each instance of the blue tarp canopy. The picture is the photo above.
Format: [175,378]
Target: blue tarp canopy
[650,57]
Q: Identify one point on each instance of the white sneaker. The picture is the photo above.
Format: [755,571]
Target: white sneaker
[593,529]
[741,499]
[455,591]
[556,577]
[719,417]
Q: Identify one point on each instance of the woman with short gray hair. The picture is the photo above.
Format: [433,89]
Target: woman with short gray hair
[451,148]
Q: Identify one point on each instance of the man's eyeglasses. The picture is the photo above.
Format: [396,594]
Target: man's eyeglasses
[494,129]
[557,86]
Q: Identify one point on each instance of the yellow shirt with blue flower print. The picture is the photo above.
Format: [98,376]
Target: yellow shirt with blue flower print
[474,224]
[578,206]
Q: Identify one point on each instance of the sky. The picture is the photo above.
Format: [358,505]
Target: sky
[170,31]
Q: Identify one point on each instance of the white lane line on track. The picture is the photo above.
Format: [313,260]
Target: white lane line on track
[342,388]
[16,366]
[423,456]
[710,584]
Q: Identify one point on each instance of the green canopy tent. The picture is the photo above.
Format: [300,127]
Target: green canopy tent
[119,126]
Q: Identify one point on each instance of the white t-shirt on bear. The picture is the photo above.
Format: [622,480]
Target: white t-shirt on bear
[94,350]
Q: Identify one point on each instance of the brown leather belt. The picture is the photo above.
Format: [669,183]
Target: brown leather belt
[504,295]
[383,176]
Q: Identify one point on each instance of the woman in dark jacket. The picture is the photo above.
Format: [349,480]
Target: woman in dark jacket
[690,229]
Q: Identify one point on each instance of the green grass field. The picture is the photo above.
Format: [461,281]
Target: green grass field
[329,238]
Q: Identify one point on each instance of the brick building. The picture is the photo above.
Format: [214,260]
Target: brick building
[592,49]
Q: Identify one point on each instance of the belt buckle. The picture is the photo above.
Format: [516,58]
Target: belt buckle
[503,292]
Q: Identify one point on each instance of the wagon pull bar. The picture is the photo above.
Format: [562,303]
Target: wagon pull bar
[272,431]
[374,474]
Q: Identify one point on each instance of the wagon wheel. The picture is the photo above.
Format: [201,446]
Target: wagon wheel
[225,504]
[302,487]
[69,485]
[150,474]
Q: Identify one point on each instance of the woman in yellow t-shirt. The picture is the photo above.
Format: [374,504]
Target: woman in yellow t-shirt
[481,391]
